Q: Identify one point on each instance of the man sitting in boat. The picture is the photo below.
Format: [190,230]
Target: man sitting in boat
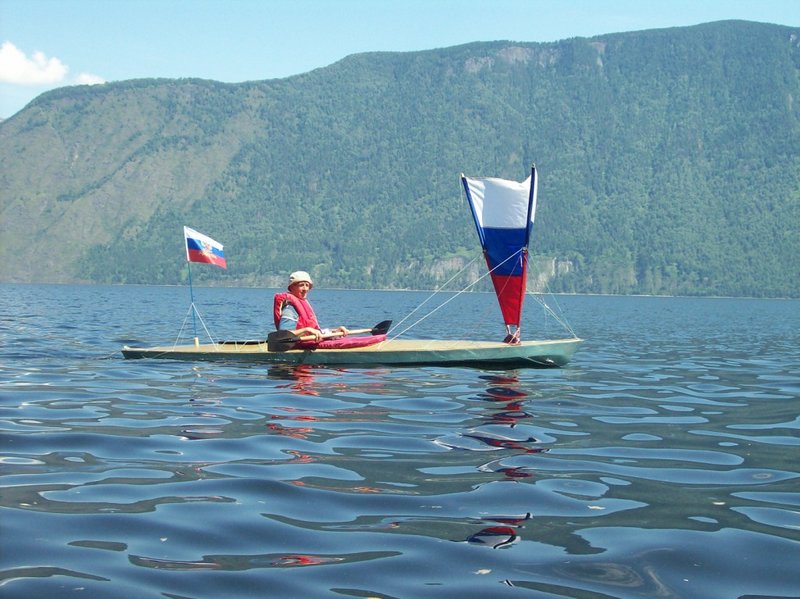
[293,312]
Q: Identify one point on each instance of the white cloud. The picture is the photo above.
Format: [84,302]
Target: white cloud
[89,79]
[16,67]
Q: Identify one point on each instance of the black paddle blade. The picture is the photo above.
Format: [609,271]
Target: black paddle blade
[283,337]
[381,328]
[281,340]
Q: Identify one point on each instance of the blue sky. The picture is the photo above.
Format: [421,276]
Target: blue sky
[52,43]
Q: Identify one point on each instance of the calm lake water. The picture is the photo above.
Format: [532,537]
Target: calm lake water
[664,461]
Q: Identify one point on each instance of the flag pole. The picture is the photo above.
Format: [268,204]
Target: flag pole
[203,249]
[192,308]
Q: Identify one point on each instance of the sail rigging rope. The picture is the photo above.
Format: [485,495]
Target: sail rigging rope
[558,317]
[443,304]
[192,308]
[431,296]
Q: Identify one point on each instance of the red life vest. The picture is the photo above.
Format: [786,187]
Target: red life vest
[305,313]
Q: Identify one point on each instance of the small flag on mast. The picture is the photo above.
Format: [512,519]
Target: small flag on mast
[201,248]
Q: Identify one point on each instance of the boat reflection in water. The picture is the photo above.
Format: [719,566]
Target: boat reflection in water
[505,400]
[301,376]
[501,534]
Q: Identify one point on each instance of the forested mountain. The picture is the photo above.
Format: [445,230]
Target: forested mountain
[669,162]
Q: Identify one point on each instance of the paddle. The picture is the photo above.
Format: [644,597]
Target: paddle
[286,340]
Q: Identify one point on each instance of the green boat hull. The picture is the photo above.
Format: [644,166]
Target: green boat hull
[397,352]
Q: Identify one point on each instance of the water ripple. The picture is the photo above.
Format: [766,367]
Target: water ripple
[662,462]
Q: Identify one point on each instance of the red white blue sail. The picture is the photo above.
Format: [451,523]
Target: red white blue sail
[504,212]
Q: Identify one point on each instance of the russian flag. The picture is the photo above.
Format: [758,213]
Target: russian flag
[201,248]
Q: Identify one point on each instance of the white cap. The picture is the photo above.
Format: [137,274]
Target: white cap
[300,276]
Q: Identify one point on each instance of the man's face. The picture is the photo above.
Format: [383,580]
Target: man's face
[300,289]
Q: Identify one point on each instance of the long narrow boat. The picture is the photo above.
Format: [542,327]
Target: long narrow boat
[504,212]
[396,352]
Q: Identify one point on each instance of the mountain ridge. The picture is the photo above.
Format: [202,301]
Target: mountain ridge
[668,164]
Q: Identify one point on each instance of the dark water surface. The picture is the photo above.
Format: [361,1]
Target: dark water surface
[664,461]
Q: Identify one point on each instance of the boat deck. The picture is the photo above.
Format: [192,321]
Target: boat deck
[548,353]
